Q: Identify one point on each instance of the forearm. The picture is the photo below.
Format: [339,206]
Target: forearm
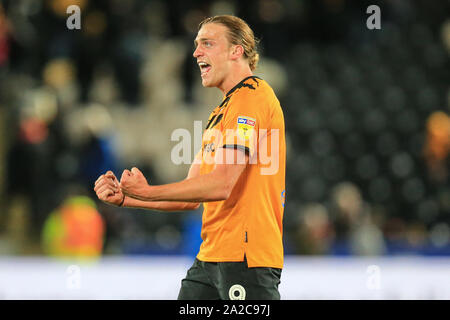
[214,186]
[167,206]
[203,188]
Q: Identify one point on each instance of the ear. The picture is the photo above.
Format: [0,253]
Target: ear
[237,52]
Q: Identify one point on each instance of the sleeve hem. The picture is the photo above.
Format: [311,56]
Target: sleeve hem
[237,146]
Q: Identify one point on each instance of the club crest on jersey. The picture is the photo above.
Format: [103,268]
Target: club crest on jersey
[245,126]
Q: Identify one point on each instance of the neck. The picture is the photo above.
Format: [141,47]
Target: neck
[235,76]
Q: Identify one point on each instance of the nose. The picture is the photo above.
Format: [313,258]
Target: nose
[197,52]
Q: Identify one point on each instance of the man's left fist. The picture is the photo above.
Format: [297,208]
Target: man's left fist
[133,183]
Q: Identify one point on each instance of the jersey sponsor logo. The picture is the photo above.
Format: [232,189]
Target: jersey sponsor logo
[250,122]
[209,147]
[245,127]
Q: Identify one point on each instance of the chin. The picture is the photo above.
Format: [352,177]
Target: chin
[207,83]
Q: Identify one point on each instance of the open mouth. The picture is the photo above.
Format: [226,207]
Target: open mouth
[204,68]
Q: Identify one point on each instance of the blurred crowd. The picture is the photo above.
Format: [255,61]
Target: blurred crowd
[367,121]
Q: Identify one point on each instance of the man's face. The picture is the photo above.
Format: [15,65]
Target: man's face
[213,54]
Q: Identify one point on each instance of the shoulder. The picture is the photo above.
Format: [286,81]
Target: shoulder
[253,90]
[252,86]
[253,98]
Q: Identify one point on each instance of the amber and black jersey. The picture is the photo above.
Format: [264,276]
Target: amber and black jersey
[249,222]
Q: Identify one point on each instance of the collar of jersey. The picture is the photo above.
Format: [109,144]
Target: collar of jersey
[240,84]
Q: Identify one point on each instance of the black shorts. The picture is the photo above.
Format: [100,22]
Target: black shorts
[229,281]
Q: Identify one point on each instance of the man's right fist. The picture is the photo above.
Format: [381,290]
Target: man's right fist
[107,189]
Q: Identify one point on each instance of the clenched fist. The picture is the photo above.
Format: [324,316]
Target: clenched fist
[133,183]
[108,190]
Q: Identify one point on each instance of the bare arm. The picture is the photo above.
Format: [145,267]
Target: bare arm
[194,171]
[215,186]
[166,206]
[108,190]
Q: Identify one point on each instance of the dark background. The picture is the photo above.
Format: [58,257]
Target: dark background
[367,118]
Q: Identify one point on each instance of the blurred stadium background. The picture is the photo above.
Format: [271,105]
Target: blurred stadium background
[368,133]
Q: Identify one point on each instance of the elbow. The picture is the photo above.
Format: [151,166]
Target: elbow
[224,192]
[189,206]
[227,191]
[224,184]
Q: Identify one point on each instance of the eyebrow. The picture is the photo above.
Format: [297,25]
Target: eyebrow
[200,40]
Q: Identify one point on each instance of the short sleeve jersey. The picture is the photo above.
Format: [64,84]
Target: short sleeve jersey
[249,222]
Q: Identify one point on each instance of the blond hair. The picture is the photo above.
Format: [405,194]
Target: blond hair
[239,33]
